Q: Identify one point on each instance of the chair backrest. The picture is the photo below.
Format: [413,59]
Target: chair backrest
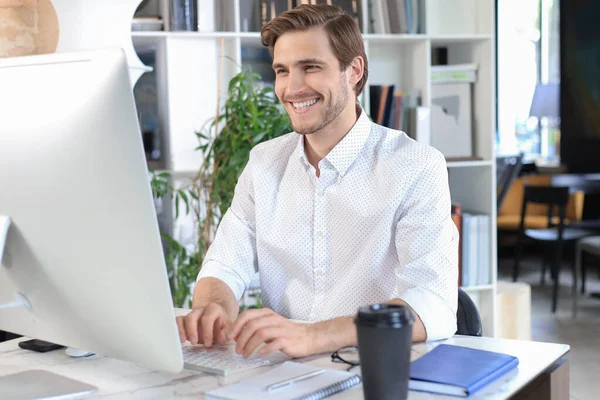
[507,170]
[468,320]
[552,196]
[588,188]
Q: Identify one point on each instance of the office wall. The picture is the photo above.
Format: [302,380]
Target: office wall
[580,85]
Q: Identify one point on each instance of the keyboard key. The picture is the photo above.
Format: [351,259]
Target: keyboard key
[220,359]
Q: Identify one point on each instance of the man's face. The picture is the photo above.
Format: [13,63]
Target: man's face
[309,82]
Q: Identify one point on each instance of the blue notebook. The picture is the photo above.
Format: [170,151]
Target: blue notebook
[458,371]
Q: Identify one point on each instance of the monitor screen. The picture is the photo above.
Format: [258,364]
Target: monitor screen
[83,264]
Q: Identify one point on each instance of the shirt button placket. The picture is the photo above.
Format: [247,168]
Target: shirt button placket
[320,248]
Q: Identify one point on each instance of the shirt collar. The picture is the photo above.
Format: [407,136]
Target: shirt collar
[346,151]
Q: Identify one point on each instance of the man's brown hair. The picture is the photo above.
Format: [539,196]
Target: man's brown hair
[344,34]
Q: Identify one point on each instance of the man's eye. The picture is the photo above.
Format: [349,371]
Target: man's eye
[311,67]
[280,71]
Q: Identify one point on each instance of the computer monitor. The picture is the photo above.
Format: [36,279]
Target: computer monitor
[83,264]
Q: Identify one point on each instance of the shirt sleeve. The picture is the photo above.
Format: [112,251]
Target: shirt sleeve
[427,246]
[231,256]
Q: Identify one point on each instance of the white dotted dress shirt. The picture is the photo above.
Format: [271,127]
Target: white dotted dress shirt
[374,226]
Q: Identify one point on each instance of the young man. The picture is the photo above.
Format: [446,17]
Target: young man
[338,214]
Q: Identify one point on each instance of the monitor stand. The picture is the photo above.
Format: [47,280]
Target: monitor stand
[38,384]
[41,384]
[20,300]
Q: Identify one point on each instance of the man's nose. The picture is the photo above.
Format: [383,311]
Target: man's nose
[296,83]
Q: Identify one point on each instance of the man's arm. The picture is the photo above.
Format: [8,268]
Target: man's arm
[256,327]
[427,248]
[213,290]
[227,269]
[330,335]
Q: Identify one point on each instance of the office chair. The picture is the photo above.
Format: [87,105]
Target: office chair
[468,320]
[555,235]
[590,187]
[585,247]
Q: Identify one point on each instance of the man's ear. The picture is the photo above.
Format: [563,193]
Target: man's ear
[357,69]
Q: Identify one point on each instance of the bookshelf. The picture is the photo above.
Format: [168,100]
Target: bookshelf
[187,72]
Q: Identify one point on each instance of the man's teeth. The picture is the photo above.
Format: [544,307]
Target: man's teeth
[304,104]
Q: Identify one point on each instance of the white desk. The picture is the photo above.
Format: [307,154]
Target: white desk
[123,380]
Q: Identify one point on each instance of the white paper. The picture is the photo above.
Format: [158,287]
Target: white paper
[255,388]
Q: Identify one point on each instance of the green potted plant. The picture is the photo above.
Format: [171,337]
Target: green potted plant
[251,115]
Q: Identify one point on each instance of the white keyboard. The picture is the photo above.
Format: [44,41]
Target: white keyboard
[220,359]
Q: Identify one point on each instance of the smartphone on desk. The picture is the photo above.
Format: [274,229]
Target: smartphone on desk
[40,346]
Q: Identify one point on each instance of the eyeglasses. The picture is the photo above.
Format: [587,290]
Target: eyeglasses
[347,355]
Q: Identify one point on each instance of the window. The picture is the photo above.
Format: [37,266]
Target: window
[528,54]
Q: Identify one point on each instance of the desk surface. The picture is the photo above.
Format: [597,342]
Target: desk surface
[117,379]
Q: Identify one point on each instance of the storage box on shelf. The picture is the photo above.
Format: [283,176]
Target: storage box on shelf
[465,28]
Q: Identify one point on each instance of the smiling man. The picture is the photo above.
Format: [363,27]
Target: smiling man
[338,214]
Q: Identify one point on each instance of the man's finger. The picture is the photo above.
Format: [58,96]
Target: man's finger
[225,328]
[181,329]
[263,335]
[212,314]
[244,318]
[190,323]
[218,333]
[207,324]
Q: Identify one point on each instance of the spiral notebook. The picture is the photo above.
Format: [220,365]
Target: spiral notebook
[318,387]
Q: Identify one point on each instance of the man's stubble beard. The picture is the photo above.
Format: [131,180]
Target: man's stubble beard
[331,112]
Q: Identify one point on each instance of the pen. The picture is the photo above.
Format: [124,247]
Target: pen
[295,379]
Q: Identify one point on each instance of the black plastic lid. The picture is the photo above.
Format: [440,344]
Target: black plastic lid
[384,316]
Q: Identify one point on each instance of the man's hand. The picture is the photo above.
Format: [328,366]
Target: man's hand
[203,325]
[252,328]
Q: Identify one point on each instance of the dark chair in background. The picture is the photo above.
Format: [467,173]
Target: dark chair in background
[507,170]
[590,216]
[468,320]
[588,247]
[590,219]
[554,235]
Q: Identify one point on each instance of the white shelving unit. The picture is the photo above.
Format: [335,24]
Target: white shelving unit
[187,75]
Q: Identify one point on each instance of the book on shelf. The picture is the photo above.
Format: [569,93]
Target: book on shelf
[269,9]
[439,55]
[396,16]
[475,248]
[419,124]
[392,108]
[466,73]
[456,213]
[206,15]
[385,103]
[250,15]
[458,159]
[181,15]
